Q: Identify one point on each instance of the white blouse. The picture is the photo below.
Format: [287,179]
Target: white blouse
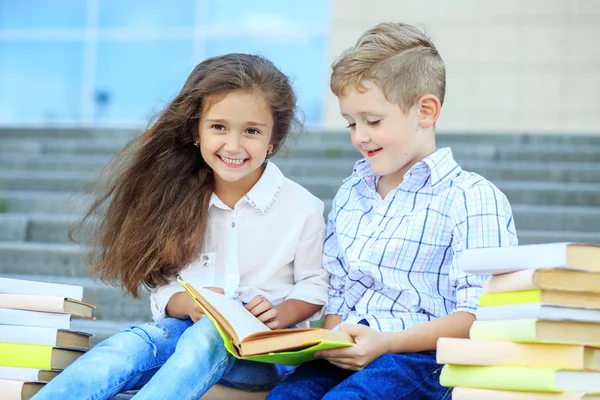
[270,244]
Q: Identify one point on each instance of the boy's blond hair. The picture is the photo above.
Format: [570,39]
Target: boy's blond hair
[399,58]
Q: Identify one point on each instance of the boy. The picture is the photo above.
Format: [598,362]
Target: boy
[396,228]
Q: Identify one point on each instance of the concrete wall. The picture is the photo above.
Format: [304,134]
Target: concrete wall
[512,65]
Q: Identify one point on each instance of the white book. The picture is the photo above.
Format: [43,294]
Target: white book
[537,311]
[45,336]
[34,318]
[13,390]
[27,374]
[499,260]
[21,286]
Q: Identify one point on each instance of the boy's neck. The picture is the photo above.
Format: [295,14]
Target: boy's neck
[231,193]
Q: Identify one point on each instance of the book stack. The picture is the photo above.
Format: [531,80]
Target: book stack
[537,333]
[36,342]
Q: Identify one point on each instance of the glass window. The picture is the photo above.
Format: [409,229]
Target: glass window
[135,79]
[147,13]
[40,14]
[41,82]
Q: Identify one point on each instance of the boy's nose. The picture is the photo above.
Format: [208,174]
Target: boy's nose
[361,134]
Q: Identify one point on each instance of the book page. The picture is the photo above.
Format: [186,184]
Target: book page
[241,320]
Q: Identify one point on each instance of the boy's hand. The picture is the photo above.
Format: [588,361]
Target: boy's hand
[195,311]
[370,345]
[262,309]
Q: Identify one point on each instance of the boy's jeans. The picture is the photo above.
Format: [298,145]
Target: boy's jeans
[169,359]
[407,376]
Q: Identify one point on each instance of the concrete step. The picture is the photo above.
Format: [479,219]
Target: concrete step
[317,135]
[45,228]
[12,201]
[111,304]
[66,132]
[530,217]
[61,181]
[337,168]
[541,193]
[535,237]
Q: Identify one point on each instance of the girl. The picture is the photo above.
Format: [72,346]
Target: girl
[197,198]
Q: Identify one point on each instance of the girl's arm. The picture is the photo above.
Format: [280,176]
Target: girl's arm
[293,311]
[331,321]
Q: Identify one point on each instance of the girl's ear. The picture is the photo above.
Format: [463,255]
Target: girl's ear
[270,149]
[428,110]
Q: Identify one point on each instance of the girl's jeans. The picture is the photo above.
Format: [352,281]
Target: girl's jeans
[168,359]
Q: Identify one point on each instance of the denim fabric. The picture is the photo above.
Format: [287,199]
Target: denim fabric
[407,376]
[169,359]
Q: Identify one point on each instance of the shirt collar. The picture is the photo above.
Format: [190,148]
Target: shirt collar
[263,194]
[439,165]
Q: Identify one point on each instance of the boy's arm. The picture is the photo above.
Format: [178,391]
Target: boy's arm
[482,218]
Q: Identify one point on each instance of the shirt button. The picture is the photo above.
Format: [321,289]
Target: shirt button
[231,277]
[205,258]
[233,224]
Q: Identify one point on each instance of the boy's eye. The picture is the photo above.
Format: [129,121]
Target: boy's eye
[218,127]
[252,131]
[373,122]
[351,125]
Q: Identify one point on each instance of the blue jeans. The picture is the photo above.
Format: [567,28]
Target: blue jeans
[169,359]
[414,376]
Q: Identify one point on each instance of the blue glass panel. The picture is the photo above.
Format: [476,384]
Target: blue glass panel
[134,79]
[40,81]
[146,13]
[18,14]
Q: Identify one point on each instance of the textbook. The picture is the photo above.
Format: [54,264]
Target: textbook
[499,260]
[520,379]
[36,356]
[537,331]
[9,316]
[46,336]
[21,286]
[18,390]
[55,304]
[27,374]
[460,393]
[547,279]
[498,353]
[545,297]
[247,338]
[537,311]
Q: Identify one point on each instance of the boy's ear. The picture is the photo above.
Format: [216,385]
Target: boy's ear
[428,110]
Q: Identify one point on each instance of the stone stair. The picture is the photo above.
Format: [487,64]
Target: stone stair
[553,183]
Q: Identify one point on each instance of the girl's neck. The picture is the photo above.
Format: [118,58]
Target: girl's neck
[232,192]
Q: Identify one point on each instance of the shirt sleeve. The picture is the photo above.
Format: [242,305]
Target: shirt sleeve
[309,276]
[160,296]
[482,218]
[334,263]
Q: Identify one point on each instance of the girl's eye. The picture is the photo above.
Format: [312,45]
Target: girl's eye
[351,125]
[218,127]
[252,131]
[373,122]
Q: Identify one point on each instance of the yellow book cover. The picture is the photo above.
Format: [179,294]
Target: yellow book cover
[550,297]
[520,379]
[460,393]
[36,356]
[247,338]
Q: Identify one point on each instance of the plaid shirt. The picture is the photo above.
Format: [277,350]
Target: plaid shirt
[393,261]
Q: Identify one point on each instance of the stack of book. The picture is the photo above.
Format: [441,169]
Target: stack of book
[36,342]
[537,333]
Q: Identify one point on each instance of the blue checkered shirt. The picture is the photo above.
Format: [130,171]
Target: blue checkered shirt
[393,261]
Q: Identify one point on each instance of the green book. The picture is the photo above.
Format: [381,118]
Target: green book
[247,338]
[36,356]
[520,379]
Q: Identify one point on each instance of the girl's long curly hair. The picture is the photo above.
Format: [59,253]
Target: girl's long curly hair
[150,215]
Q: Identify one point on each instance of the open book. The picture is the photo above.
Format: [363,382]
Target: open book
[247,338]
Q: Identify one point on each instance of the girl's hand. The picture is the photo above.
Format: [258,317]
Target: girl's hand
[262,309]
[194,310]
[370,345]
